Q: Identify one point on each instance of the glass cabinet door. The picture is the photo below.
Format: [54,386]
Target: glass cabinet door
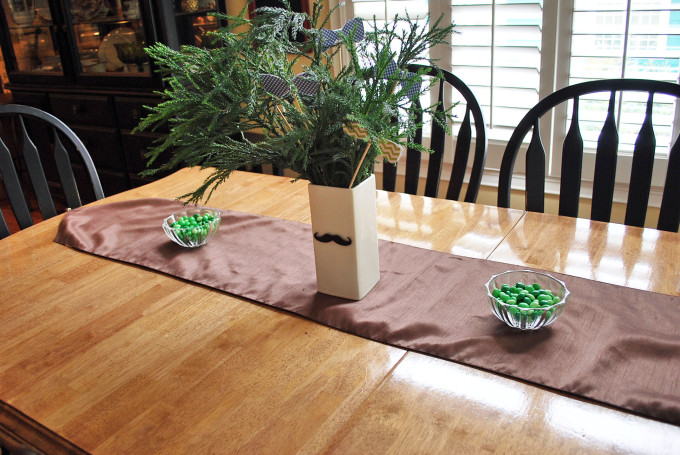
[194,23]
[33,36]
[109,37]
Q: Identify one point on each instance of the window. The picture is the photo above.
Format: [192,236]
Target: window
[514,52]
[631,39]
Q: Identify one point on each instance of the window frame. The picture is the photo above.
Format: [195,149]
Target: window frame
[554,74]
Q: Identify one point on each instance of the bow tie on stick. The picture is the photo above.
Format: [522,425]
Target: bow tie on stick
[305,84]
[390,149]
[277,87]
[329,38]
[274,85]
[414,89]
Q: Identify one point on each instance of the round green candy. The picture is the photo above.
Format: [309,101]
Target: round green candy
[496,292]
[504,296]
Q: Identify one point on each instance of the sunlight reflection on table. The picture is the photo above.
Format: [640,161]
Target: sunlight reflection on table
[438,377]
[609,428]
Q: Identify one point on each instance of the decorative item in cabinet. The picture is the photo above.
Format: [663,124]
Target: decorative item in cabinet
[22,11]
[42,7]
[189,6]
[87,10]
[195,22]
[131,9]
[34,49]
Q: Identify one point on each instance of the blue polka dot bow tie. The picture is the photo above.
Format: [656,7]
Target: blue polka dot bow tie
[330,37]
[413,89]
[306,84]
[276,86]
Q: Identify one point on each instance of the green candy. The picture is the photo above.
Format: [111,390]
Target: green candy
[525,300]
[193,228]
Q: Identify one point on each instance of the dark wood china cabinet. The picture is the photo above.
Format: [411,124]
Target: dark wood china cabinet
[83,61]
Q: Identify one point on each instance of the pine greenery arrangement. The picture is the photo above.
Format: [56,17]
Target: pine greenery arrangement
[215,96]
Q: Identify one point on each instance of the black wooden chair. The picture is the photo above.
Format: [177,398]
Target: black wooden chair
[473,118]
[19,154]
[605,158]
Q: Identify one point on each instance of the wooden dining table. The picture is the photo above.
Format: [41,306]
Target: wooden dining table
[104,357]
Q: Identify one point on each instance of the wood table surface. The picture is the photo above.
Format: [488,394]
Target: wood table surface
[102,357]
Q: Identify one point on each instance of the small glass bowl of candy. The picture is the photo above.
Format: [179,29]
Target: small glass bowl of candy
[525,299]
[192,227]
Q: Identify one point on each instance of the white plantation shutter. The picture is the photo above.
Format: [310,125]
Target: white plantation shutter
[498,54]
[629,39]
[387,9]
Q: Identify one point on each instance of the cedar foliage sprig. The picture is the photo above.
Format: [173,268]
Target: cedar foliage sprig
[213,99]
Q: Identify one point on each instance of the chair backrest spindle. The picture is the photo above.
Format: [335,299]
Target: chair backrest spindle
[36,174]
[413,160]
[535,165]
[605,165]
[438,145]
[10,181]
[669,215]
[572,166]
[641,174]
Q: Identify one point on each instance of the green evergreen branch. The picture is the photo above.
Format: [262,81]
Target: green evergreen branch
[213,98]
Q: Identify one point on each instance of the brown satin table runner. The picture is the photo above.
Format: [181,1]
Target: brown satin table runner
[612,344]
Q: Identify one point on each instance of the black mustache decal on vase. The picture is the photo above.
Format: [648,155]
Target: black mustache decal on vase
[332,238]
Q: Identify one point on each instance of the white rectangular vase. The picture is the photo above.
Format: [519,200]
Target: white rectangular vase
[345,232]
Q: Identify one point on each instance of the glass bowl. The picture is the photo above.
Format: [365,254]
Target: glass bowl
[192,234]
[538,313]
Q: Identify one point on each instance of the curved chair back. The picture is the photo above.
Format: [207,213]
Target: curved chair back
[473,118]
[21,154]
[605,158]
